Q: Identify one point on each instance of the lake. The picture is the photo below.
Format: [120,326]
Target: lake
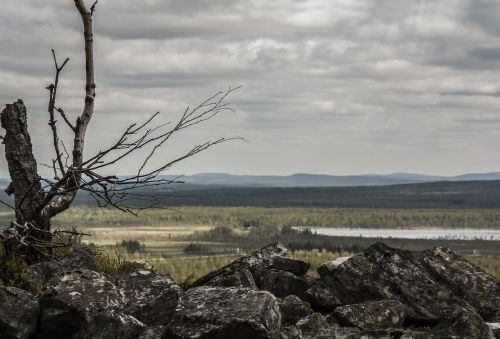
[420,233]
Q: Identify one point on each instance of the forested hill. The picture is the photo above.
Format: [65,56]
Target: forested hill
[446,194]
[470,194]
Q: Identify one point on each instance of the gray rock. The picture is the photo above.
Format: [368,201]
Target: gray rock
[416,334]
[332,264]
[283,283]
[152,332]
[291,265]
[80,257]
[321,298]
[293,308]
[464,323]
[371,315]
[147,295]
[495,328]
[312,325]
[19,312]
[463,278]
[112,324]
[427,282]
[291,332]
[260,259]
[84,303]
[226,313]
[239,277]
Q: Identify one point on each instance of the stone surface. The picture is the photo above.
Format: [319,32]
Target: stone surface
[331,265]
[321,298]
[428,282]
[371,314]
[260,259]
[147,295]
[81,257]
[464,323]
[312,324]
[291,265]
[293,308]
[464,279]
[495,328]
[81,303]
[226,313]
[239,277]
[283,283]
[19,312]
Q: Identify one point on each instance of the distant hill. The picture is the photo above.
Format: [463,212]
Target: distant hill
[212,180]
[316,180]
[442,194]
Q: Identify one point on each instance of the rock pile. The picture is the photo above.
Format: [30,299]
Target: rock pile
[382,292]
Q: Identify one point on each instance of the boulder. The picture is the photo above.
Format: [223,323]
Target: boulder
[371,314]
[80,257]
[260,259]
[464,323]
[283,283]
[84,303]
[225,313]
[239,277]
[316,326]
[112,324]
[465,279]
[291,265]
[321,298]
[19,312]
[147,295]
[330,265]
[428,282]
[312,324]
[293,308]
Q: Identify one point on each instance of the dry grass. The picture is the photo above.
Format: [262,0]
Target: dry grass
[490,263]
[147,235]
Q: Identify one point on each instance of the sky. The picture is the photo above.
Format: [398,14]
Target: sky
[328,86]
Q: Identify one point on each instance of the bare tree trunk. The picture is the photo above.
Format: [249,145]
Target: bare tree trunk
[74,174]
[25,185]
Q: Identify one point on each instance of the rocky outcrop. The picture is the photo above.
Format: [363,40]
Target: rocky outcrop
[431,283]
[18,313]
[380,293]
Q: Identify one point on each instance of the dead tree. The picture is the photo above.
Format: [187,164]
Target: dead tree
[37,200]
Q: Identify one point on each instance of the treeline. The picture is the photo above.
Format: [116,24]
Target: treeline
[466,194]
[271,220]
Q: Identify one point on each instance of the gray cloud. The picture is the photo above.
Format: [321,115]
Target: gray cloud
[330,86]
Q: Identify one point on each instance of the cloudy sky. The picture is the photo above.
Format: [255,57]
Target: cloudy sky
[329,86]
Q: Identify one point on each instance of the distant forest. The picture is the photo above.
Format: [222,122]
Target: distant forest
[470,194]
[465,194]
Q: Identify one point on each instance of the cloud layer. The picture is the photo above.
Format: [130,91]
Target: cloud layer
[329,86]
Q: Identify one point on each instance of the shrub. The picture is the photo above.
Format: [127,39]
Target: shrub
[195,248]
[14,273]
[132,246]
